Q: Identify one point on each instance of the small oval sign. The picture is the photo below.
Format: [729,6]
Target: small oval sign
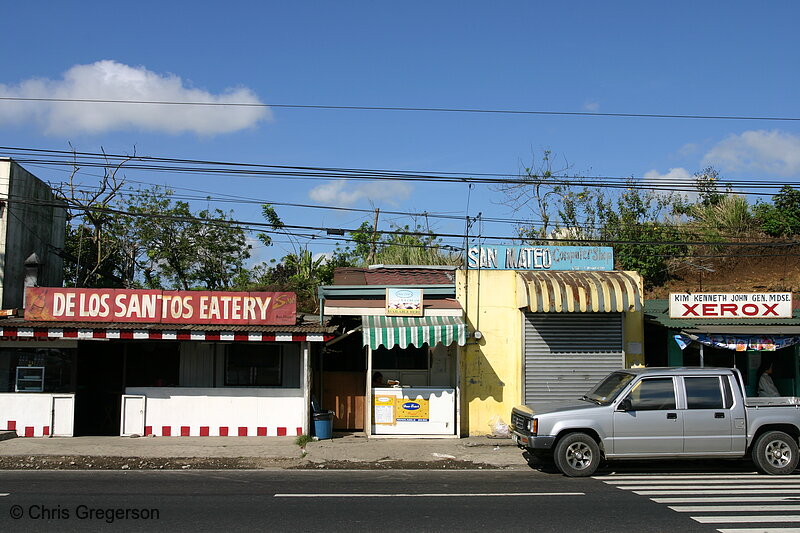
[411,406]
[404,294]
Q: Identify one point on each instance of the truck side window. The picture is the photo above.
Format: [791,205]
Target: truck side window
[703,393]
[653,394]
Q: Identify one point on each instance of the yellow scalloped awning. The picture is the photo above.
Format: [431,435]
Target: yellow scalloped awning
[582,291]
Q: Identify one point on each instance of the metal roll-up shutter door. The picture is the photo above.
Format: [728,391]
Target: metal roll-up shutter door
[566,354]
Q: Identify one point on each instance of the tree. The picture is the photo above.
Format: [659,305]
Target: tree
[95,249]
[183,250]
[782,218]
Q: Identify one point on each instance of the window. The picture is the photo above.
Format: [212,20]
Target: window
[653,394]
[249,365]
[703,393]
[409,358]
[605,391]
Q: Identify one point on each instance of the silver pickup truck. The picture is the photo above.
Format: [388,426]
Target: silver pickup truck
[662,413]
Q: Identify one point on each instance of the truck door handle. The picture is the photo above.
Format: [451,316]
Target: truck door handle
[672,416]
[719,415]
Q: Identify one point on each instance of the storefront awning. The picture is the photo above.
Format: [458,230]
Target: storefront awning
[413,331]
[582,292]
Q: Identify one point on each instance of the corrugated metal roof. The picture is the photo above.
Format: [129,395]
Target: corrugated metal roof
[393,276]
[582,291]
[128,326]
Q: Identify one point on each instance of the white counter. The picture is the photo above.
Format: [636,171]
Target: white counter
[413,411]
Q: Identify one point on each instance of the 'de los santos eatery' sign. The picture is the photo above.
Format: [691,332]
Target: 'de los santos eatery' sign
[166,307]
[731,305]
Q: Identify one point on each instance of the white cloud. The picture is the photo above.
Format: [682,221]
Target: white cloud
[342,193]
[110,80]
[774,152]
[591,106]
[676,179]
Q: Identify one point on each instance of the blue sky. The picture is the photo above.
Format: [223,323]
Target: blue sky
[687,58]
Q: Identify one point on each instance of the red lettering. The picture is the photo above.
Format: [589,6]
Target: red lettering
[728,308]
[690,309]
[710,310]
[750,309]
[770,309]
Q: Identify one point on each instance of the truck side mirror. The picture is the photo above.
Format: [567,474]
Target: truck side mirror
[625,405]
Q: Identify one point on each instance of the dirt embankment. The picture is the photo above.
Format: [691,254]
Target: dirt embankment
[741,268]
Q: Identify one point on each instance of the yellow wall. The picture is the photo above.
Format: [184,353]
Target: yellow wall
[491,368]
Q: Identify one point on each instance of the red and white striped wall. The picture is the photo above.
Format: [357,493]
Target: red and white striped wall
[212,412]
[222,431]
[35,414]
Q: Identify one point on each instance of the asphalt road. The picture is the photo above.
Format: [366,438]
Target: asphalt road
[399,500]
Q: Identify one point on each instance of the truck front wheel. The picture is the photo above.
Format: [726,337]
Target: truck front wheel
[775,453]
[577,455]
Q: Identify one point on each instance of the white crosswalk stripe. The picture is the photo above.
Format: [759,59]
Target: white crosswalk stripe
[757,503]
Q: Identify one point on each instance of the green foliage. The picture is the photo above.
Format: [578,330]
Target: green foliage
[729,217]
[782,218]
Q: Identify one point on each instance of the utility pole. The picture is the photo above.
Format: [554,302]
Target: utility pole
[373,243]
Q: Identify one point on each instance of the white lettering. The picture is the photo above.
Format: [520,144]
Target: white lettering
[59,304]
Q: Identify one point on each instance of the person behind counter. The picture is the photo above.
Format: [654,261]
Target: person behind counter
[766,387]
[378,381]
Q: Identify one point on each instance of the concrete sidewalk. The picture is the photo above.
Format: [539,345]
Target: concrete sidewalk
[344,450]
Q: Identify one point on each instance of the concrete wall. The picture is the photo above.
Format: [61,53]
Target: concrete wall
[179,411]
[491,371]
[37,414]
[28,224]
[492,367]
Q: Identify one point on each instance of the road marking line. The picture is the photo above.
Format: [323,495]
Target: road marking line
[680,488]
[730,508]
[770,480]
[721,491]
[756,518]
[728,499]
[692,476]
[4,494]
[431,495]
[761,530]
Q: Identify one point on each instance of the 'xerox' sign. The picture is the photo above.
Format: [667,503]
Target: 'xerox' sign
[731,305]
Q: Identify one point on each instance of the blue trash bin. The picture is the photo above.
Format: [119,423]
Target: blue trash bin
[323,424]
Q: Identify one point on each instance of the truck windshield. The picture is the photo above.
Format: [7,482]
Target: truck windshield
[604,392]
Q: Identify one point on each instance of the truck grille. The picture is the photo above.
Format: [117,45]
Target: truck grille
[518,421]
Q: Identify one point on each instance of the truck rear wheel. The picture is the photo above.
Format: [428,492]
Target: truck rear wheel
[775,453]
[577,455]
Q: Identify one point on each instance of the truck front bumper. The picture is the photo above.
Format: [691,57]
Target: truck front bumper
[533,442]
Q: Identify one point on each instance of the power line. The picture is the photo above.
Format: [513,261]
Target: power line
[401,108]
[269,228]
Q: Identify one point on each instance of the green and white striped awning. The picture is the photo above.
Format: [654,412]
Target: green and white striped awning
[413,331]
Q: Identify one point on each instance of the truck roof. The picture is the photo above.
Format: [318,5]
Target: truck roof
[678,370]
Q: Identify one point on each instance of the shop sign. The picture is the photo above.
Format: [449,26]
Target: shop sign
[412,410]
[383,407]
[540,258]
[163,307]
[404,302]
[731,305]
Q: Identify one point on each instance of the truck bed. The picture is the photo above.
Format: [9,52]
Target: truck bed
[779,401]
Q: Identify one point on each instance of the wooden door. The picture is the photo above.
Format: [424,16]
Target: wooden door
[343,393]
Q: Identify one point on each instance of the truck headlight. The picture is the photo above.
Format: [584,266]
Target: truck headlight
[533,426]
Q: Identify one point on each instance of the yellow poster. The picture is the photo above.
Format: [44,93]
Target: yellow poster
[412,410]
[383,407]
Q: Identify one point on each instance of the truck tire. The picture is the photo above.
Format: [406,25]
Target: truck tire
[775,453]
[577,455]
